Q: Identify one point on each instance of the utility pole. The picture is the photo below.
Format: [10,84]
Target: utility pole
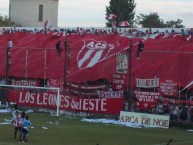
[66,44]
[9,46]
[129,55]
[129,68]
[7,66]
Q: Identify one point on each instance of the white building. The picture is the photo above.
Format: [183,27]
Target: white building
[34,13]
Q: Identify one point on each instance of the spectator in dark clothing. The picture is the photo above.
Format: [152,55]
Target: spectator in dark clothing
[140,49]
[183,113]
[58,48]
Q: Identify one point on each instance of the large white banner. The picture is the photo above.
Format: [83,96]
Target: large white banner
[147,83]
[144,119]
[122,63]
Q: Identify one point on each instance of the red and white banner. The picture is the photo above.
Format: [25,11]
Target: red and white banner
[76,89]
[119,81]
[169,88]
[97,53]
[178,102]
[70,103]
[147,83]
[146,100]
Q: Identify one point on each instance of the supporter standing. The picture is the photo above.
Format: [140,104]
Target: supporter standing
[171,111]
[183,113]
[140,49]
[66,43]
[189,112]
[159,108]
[58,48]
[175,113]
[10,44]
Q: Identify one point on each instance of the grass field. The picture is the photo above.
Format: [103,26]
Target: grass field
[72,131]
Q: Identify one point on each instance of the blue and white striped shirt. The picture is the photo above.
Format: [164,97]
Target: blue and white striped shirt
[26,124]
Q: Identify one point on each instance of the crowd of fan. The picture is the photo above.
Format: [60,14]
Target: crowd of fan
[105,31]
[178,112]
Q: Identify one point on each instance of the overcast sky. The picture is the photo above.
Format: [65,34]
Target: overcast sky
[92,12]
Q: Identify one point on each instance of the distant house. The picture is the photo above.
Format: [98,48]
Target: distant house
[34,13]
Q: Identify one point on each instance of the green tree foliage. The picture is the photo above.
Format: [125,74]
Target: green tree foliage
[174,24]
[5,22]
[152,20]
[123,9]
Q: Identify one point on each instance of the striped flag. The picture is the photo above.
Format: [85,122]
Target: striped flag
[111,16]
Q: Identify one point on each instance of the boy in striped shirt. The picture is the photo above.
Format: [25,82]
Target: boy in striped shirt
[16,123]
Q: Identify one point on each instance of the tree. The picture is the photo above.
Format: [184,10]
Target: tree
[150,21]
[174,24]
[5,22]
[123,9]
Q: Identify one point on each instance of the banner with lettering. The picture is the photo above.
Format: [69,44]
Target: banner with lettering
[122,63]
[168,88]
[145,119]
[76,89]
[178,102]
[94,57]
[53,83]
[34,83]
[147,83]
[146,100]
[70,103]
[110,94]
[119,81]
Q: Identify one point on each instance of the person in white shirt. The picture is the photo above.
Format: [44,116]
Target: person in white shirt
[10,44]
[16,121]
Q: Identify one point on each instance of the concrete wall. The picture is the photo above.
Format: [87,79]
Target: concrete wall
[26,12]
